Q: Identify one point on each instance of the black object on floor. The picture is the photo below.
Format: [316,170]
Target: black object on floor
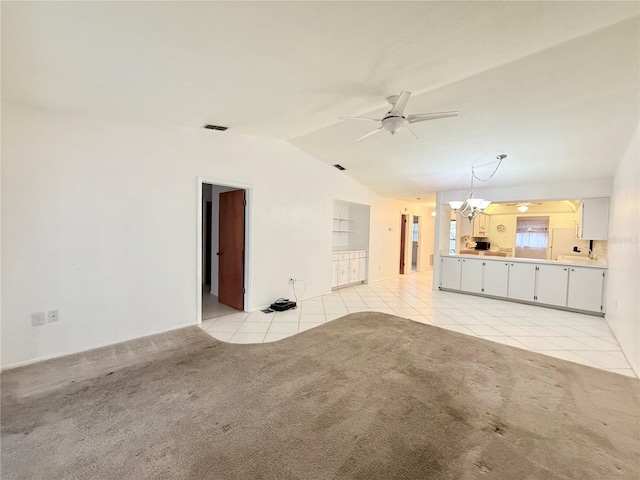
[282,305]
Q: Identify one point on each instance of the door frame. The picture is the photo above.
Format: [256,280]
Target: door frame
[248,221]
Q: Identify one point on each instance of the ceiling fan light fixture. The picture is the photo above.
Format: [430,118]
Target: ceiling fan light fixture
[393,124]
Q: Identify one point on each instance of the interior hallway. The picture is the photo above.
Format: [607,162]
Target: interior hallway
[211,307]
[576,337]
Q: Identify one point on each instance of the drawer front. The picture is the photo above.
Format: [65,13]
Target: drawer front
[363,254]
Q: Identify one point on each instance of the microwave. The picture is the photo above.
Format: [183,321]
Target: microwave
[483,245]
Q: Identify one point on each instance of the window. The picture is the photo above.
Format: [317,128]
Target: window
[532,237]
[532,232]
[452,237]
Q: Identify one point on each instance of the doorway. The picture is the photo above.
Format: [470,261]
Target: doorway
[222,253]
[415,244]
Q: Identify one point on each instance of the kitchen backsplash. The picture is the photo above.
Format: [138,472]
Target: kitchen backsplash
[600,249]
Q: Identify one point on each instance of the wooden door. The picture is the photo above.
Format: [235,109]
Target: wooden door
[403,241]
[231,249]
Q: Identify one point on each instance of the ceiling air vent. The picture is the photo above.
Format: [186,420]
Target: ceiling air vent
[339,167]
[215,127]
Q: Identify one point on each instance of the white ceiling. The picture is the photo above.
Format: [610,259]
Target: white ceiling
[555,85]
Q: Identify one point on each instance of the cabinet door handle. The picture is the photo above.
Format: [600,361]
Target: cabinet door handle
[565,269]
[573,269]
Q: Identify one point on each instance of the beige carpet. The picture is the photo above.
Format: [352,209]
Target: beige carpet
[368,396]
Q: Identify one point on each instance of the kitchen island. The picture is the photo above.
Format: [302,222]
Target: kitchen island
[564,285]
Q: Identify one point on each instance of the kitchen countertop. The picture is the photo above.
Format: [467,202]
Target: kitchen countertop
[595,263]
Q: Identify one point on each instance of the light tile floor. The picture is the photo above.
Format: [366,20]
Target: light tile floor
[584,339]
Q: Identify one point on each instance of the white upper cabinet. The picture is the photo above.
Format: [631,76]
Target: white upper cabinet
[478,227]
[593,219]
[481,225]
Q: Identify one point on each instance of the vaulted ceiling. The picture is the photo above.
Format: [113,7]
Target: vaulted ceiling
[555,85]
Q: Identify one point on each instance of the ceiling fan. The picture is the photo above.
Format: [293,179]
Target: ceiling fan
[395,119]
[522,206]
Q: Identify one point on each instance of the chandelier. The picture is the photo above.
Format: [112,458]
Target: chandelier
[471,207]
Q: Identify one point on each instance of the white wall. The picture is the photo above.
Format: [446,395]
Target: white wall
[100,222]
[427,235]
[623,292]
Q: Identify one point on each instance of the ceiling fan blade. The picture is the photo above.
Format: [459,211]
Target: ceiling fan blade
[370,133]
[406,125]
[401,104]
[421,117]
[359,118]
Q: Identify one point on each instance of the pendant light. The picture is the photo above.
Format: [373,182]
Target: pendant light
[472,207]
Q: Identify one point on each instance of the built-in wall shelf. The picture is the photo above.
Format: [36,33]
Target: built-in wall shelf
[350,226]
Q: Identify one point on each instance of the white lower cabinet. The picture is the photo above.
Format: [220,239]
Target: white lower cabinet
[552,283]
[586,289]
[522,281]
[362,266]
[565,286]
[496,278]
[354,267]
[348,268]
[450,273]
[471,275]
[334,271]
[343,271]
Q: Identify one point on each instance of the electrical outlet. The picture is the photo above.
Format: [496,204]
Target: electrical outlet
[53,316]
[38,319]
